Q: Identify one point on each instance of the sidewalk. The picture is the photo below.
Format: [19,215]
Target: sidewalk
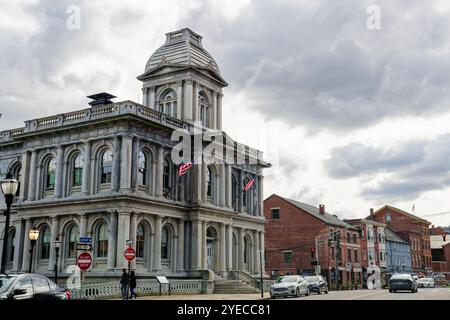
[251,296]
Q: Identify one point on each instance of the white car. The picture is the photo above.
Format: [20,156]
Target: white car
[289,286]
[426,283]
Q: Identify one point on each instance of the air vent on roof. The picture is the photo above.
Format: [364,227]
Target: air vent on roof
[101,99]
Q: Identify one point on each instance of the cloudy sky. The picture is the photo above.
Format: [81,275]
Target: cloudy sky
[350,116]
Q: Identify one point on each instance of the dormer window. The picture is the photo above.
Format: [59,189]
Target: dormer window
[168,103]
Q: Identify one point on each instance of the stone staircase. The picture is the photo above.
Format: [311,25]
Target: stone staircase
[225,286]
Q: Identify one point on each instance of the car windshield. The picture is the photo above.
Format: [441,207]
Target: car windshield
[288,279]
[312,279]
[4,283]
[400,276]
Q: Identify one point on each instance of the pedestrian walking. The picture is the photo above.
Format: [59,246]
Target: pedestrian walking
[124,281]
[133,285]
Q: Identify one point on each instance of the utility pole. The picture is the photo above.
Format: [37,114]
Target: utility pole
[317,256]
[261,284]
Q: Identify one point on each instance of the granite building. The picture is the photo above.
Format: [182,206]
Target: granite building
[107,172]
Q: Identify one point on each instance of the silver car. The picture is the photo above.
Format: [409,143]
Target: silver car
[289,286]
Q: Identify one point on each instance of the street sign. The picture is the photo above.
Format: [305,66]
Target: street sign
[130,254]
[85,240]
[84,246]
[84,261]
[129,242]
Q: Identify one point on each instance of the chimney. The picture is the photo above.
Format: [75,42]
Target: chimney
[444,236]
[371,213]
[322,209]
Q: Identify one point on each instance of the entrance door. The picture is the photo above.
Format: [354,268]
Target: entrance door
[210,254]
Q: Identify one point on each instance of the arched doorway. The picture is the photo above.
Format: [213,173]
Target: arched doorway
[247,254]
[211,241]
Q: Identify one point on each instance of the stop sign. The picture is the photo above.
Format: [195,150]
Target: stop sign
[130,254]
[84,260]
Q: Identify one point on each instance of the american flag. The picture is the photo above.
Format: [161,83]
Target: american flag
[249,184]
[184,168]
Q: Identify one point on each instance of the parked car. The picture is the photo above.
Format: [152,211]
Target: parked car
[426,283]
[30,286]
[402,282]
[289,286]
[317,284]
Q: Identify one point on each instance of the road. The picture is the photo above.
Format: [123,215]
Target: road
[380,294]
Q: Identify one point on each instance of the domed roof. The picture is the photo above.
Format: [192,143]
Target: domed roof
[182,47]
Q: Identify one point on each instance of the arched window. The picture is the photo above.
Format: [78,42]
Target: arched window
[77,171]
[16,171]
[10,249]
[140,241]
[102,241]
[142,169]
[246,250]
[168,103]
[203,108]
[167,174]
[72,239]
[209,183]
[106,167]
[50,175]
[165,243]
[45,243]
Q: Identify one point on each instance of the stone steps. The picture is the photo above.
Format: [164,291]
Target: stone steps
[232,286]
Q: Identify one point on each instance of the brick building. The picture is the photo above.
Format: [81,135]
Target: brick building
[412,229]
[440,251]
[373,249]
[298,234]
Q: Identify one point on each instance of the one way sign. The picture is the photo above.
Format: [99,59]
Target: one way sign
[84,247]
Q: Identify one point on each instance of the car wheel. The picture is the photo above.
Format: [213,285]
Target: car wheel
[319,291]
[297,292]
[326,292]
[307,292]
[390,290]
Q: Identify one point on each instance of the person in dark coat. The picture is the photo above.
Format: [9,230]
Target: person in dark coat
[133,285]
[124,281]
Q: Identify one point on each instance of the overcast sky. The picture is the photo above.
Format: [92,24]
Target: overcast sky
[351,117]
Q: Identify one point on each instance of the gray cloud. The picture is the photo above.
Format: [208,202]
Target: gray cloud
[414,168]
[318,66]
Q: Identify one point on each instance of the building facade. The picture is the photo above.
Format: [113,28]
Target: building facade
[373,249]
[108,172]
[440,252]
[302,238]
[412,229]
[398,253]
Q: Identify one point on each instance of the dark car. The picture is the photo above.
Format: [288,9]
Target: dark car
[317,284]
[30,286]
[402,282]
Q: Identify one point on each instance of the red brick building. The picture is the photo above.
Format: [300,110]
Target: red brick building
[298,235]
[373,248]
[412,229]
[440,251]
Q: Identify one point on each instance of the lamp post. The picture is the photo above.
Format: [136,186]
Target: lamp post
[9,188]
[33,235]
[57,245]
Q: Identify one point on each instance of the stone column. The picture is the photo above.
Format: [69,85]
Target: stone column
[203,168]
[223,252]
[229,247]
[196,245]
[144,96]
[133,230]
[123,234]
[54,231]
[26,246]
[83,225]
[261,245]
[180,99]
[86,168]
[159,172]
[32,180]
[241,249]
[151,102]
[180,254]
[222,186]
[188,107]
[195,108]
[18,241]
[153,178]
[115,176]
[157,245]
[219,111]
[112,241]
[256,263]
[228,186]
[135,165]
[59,171]
[24,177]
[240,192]
[214,109]
[204,249]
[125,163]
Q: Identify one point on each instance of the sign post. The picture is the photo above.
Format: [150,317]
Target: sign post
[129,254]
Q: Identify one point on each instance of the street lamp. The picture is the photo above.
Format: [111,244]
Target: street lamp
[9,188]
[57,244]
[33,235]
